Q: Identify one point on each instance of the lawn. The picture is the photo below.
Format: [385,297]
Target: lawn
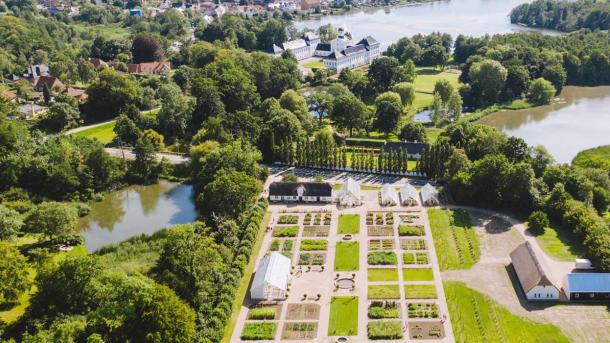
[104,133]
[594,158]
[382,274]
[384,292]
[477,318]
[417,274]
[559,245]
[424,85]
[349,224]
[318,64]
[432,133]
[343,319]
[420,292]
[347,256]
[456,242]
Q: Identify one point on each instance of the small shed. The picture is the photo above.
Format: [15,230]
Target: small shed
[388,196]
[271,278]
[534,275]
[349,194]
[429,195]
[587,286]
[408,195]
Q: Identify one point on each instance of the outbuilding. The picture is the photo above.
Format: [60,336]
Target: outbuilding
[300,192]
[408,195]
[587,286]
[388,196]
[429,195]
[349,194]
[271,278]
[535,277]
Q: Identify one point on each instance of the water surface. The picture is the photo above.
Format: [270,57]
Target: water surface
[387,25]
[135,210]
[579,121]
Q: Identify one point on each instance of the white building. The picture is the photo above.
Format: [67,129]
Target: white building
[408,195]
[429,195]
[349,194]
[364,52]
[534,275]
[388,196]
[300,191]
[271,278]
[301,48]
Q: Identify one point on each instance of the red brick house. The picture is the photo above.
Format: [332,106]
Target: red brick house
[149,68]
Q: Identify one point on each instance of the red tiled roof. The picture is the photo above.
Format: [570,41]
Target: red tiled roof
[149,68]
[50,81]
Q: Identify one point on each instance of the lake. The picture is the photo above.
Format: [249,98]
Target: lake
[135,210]
[387,25]
[579,121]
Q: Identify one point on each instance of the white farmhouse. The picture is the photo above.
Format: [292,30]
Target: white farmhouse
[534,275]
[300,192]
[408,195]
[388,196]
[271,278]
[349,194]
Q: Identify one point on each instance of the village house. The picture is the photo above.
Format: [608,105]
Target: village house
[51,82]
[31,111]
[79,94]
[300,191]
[149,68]
[534,275]
[98,63]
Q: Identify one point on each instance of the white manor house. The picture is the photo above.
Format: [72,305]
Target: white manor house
[338,54]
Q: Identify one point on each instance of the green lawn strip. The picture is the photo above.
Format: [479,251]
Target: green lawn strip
[382,274]
[343,319]
[383,292]
[384,330]
[456,242]
[349,224]
[245,280]
[432,133]
[104,133]
[258,331]
[427,77]
[420,292]
[410,230]
[417,274]
[559,245]
[347,256]
[593,158]
[475,318]
[319,64]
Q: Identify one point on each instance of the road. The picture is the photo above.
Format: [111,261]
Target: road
[129,155]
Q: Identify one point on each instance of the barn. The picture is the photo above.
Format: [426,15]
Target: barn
[587,286]
[535,277]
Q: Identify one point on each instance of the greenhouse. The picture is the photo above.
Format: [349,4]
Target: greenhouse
[271,278]
[388,196]
[429,195]
[349,194]
[408,195]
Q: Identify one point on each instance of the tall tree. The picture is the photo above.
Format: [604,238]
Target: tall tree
[146,48]
[52,219]
[14,278]
[349,113]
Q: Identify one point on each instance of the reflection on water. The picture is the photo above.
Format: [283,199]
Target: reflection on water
[387,25]
[581,120]
[135,210]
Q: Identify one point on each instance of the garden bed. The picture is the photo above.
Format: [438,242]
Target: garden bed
[383,292]
[315,231]
[297,331]
[382,274]
[381,244]
[377,218]
[420,292]
[415,258]
[382,258]
[288,219]
[283,246]
[315,219]
[349,224]
[410,230]
[376,231]
[384,309]
[314,244]
[343,319]
[422,310]
[417,274]
[313,259]
[286,231]
[303,312]
[413,244]
[258,331]
[408,218]
[384,330]
[264,313]
[426,330]
[347,256]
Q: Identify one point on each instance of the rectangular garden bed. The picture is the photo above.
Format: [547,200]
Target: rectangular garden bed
[286,231]
[297,331]
[380,309]
[381,244]
[376,231]
[258,331]
[313,259]
[343,319]
[426,330]
[383,292]
[317,219]
[420,292]
[382,258]
[347,256]
[423,310]
[288,219]
[382,274]
[411,230]
[384,330]
[415,258]
[413,244]
[417,274]
[315,231]
[349,224]
[314,244]
[303,312]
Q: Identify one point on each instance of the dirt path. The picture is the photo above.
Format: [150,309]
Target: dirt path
[492,275]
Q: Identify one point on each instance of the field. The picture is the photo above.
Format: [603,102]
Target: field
[596,158]
[417,274]
[349,224]
[343,316]
[104,133]
[558,245]
[346,256]
[476,318]
[384,292]
[382,274]
[420,291]
[455,240]
[424,85]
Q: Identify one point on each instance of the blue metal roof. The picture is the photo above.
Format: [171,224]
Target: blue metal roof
[589,282]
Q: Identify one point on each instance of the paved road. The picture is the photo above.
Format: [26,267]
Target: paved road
[129,155]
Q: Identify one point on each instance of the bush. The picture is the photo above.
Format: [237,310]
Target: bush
[259,331]
[384,330]
[537,222]
[382,258]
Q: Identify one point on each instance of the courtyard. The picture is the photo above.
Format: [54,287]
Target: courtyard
[361,273]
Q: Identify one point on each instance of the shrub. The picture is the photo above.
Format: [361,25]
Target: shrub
[382,258]
[537,222]
[384,330]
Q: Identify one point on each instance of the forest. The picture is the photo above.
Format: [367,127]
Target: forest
[563,15]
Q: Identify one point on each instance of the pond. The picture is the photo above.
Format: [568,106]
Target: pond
[387,25]
[135,210]
[579,120]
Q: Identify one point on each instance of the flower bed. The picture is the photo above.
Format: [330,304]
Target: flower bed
[288,219]
[314,244]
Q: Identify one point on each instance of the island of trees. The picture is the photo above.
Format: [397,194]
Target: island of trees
[563,15]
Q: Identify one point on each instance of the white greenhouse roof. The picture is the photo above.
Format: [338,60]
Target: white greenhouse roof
[351,187]
[408,192]
[274,270]
[428,192]
[388,193]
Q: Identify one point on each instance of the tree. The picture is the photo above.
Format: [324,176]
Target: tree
[413,132]
[228,194]
[454,106]
[146,48]
[285,125]
[175,114]
[62,116]
[322,104]
[541,92]
[457,162]
[145,168]
[14,278]
[349,113]
[538,222]
[389,111]
[46,94]
[52,219]
[296,103]
[126,130]
[516,149]
[10,223]
[208,102]
[272,31]
[444,88]
[156,138]
[517,81]
[488,77]
[410,70]
[385,72]
[435,56]
[110,94]
[406,92]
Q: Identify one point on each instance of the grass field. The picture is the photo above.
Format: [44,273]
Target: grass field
[594,158]
[417,274]
[347,256]
[476,318]
[343,319]
[104,133]
[424,85]
[420,292]
[432,133]
[245,280]
[349,224]
[559,245]
[456,242]
[382,274]
[383,292]
[319,64]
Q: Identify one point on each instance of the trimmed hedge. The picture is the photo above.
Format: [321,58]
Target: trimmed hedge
[369,143]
